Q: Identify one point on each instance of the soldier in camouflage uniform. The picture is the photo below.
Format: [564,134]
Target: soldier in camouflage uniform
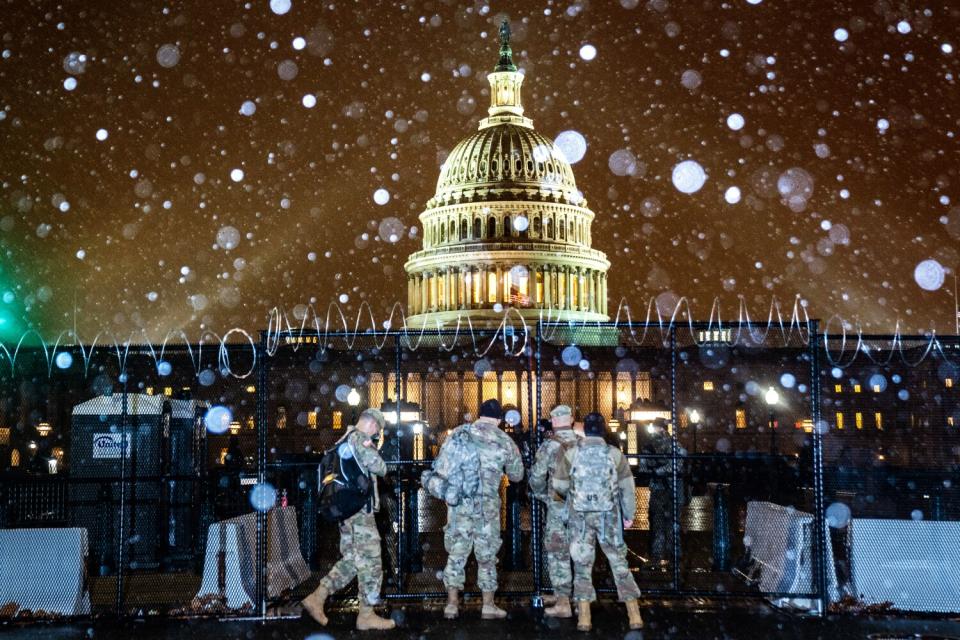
[556,542]
[474,524]
[599,484]
[359,538]
[660,505]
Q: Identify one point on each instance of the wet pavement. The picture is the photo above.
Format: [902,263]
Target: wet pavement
[669,620]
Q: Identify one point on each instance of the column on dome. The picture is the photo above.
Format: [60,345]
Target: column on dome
[424,303]
[546,302]
[455,283]
[558,290]
[446,289]
[602,302]
[596,295]
[482,272]
[569,287]
[502,296]
[577,289]
[591,291]
[409,295]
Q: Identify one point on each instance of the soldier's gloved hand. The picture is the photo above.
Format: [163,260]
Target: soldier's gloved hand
[627,523]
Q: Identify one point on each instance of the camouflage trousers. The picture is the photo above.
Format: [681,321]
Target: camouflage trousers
[472,530]
[660,514]
[587,529]
[556,545]
[360,558]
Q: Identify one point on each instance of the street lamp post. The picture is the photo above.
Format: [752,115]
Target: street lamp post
[695,423]
[771,397]
[353,399]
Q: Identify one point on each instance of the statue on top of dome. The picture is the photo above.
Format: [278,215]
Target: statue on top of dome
[506,55]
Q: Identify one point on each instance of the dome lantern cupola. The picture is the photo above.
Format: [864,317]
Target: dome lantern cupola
[507,226]
[505,84]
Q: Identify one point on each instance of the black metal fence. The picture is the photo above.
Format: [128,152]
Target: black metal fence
[779,441]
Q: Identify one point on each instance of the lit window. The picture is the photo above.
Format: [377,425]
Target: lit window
[838,388]
[741,418]
[948,382]
[876,388]
[950,421]
[149,391]
[878,420]
[856,388]
[708,385]
[858,419]
[839,420]
[338,420]
[251,389]
[168,391]
[312,419]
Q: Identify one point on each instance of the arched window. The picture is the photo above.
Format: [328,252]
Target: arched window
[562,228]
[491,227]
[463,229]
[549,234]
[571,231]
[507,227]
[476,229]
[443,233]
[536,226]
[453,230]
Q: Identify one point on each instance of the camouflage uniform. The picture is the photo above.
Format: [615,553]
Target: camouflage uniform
[585,529]
[556,542]
[660,505]
[474,524]
[359,538]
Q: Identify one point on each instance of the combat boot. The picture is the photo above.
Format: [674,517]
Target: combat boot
[583,615]
[452,610]
[560,609]
[313,604]
[368,620]
[491,611]
[633,614]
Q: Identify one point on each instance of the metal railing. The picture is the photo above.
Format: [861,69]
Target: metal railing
[148,513]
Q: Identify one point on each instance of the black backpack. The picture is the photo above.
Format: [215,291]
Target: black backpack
[344,487]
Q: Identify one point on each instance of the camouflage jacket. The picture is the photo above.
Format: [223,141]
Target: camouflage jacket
[498,455]
[625,483]
[545,465]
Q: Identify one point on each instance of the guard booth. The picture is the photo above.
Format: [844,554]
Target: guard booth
[136,464]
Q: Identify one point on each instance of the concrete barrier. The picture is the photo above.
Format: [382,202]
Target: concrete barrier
[780,541]
[229,568]
[44,570]
[912,563]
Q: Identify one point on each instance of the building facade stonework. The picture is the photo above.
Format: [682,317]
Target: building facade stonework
[507,227]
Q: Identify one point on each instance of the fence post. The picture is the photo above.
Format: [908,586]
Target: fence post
[398,484]
[121,529]
[674,453]
[536,508]
[819,537]
[261,586]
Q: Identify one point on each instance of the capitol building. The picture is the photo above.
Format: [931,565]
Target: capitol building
[507,227]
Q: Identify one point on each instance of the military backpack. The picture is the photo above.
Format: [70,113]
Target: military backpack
[455,473]
[593,479]
[345,487]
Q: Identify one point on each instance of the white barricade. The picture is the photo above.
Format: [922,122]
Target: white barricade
[229,568]
[45,570]
[913,564]
[780,541]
